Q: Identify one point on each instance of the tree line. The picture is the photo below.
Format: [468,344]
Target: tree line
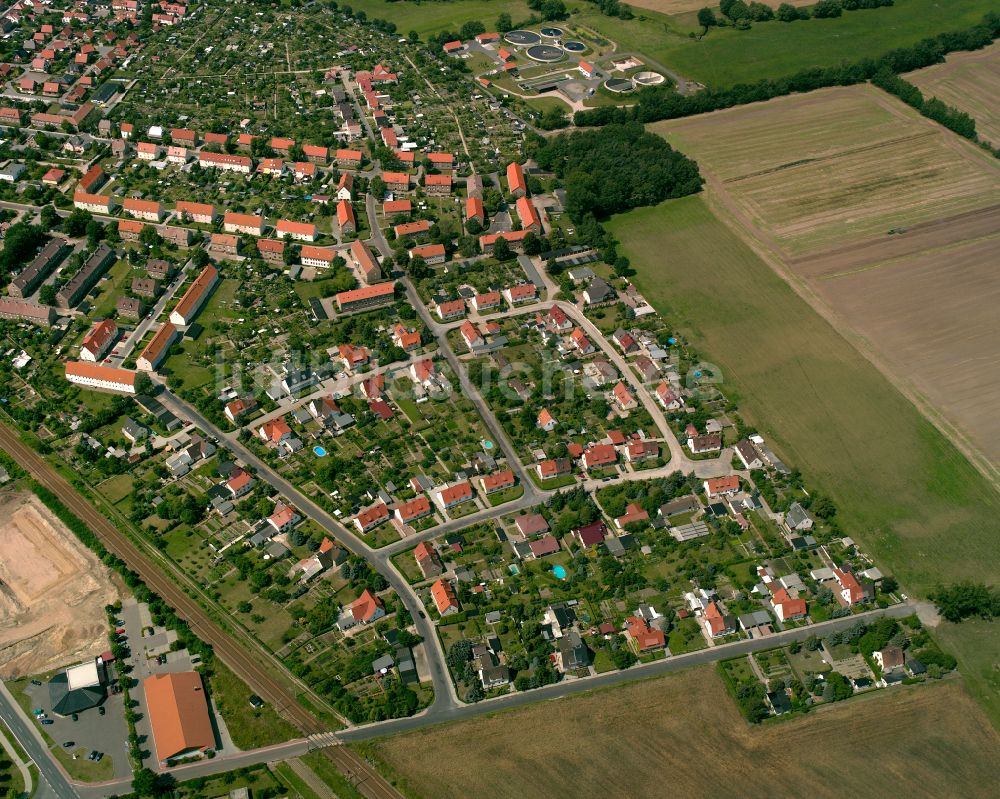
[665,103]
[957,121]
[740,14]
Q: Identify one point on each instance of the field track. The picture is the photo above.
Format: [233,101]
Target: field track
[232,654]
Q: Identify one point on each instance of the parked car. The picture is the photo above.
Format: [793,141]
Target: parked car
[47,721]
[69,744]
[75,717]
[36,682]
[101,710]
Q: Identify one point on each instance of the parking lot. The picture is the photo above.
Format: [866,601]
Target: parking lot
[91,731]
[149,644]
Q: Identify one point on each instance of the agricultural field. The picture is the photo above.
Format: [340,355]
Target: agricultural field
[925,513]
[836,172]
[836,166]
[969,82]
[681,722]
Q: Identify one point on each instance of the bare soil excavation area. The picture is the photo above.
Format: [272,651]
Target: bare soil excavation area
[52,591]
[889,222]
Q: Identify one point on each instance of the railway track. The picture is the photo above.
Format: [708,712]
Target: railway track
[229,651]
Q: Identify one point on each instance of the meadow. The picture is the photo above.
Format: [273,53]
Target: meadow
[427,18]
[901,487]
[836,166]
[682,736]
[727,56]
[969,82]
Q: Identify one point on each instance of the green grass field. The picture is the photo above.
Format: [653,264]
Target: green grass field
[726,56]
[249,728]
[432,17]
[902,489]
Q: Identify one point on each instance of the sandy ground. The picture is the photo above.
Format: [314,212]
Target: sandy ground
[52,591]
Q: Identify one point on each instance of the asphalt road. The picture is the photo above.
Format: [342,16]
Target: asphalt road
[53,782]
[444,689]
[640,671]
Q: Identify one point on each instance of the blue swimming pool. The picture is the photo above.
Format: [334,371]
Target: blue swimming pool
[514,569]
[320,452]
[559,572]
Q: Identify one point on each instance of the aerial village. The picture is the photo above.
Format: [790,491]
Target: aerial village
[353,290]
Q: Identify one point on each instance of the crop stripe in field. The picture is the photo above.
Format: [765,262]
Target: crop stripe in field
[832,156]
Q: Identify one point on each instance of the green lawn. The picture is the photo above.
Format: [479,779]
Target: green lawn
[82,769]
[249,728]
[772,49]
[326,771]
[902,489]
[428,18]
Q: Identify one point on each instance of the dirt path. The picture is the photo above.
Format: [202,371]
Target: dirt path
[309,777]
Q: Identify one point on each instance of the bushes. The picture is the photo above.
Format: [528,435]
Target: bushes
[966,599]
[656,104]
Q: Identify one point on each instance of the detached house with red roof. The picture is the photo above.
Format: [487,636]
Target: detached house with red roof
[240,483]
[721,486]
[284,518]
[428,560]
[523,292]
[363,610]
[98,341]
[410,511]
[599,455]
[450,496]
[370,518]
[851,591]
[786,607]
[716,622]
[498,481]
[623,397]
[275,431]
[642,637]
[444,597]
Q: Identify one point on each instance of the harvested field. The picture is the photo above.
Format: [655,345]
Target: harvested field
[901,487]
[932,315]
[682,736]
[841,165]
[970,82]
[52,591]
[819,180]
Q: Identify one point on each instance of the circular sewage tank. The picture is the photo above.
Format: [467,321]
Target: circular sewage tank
[574,47]
[648,78]
[552,33]
[522,37]
[619,85]
[545,53]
